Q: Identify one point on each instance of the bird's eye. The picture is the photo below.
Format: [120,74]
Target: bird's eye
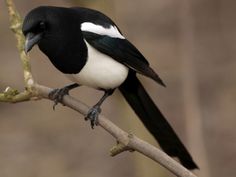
[42,25]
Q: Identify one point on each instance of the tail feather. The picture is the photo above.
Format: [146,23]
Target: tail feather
[154,121]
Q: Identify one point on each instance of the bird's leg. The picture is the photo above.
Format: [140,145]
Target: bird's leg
[57,94]
[93,113]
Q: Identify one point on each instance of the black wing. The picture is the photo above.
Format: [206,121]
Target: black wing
[122,51]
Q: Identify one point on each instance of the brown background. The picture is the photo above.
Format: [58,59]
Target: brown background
[192,46]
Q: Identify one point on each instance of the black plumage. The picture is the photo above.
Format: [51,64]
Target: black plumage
[154,121]
[124,52]
[71,36]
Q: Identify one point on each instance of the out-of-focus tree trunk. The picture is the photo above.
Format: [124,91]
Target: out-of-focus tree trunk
[194,129]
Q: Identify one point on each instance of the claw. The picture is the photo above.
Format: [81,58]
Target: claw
[92,115]
[94,112]
[57,95]
[54,105]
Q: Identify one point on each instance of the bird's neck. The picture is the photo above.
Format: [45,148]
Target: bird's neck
[68,53]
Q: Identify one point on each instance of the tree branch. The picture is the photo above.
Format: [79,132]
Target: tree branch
[126,142]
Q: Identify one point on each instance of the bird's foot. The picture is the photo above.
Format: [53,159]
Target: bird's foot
[92,115]
[57,95]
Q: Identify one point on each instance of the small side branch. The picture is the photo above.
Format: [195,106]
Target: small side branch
[119,148]
[127,142]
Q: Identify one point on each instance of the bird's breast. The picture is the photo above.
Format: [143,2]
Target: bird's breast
[100,71]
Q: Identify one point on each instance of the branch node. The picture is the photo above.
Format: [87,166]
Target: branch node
[130,135]
[119,148]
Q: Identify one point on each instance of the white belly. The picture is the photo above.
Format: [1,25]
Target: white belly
[100,71]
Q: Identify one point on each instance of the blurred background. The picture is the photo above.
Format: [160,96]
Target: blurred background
[190,43]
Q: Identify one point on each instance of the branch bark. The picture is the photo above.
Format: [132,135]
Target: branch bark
[126,142]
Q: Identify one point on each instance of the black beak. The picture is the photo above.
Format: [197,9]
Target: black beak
[31,39]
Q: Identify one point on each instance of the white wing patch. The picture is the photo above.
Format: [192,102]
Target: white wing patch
[98,29]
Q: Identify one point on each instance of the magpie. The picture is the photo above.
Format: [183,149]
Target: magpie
[89,48]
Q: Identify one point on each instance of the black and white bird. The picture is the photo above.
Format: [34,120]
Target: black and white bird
[90,50]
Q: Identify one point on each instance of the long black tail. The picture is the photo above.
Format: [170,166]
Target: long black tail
[154,121]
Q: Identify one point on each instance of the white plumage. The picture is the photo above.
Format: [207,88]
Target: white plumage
[100,71]
[94,28]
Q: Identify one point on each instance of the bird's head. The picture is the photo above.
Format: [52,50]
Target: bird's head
[45,25]
[35,26]
[56,31]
